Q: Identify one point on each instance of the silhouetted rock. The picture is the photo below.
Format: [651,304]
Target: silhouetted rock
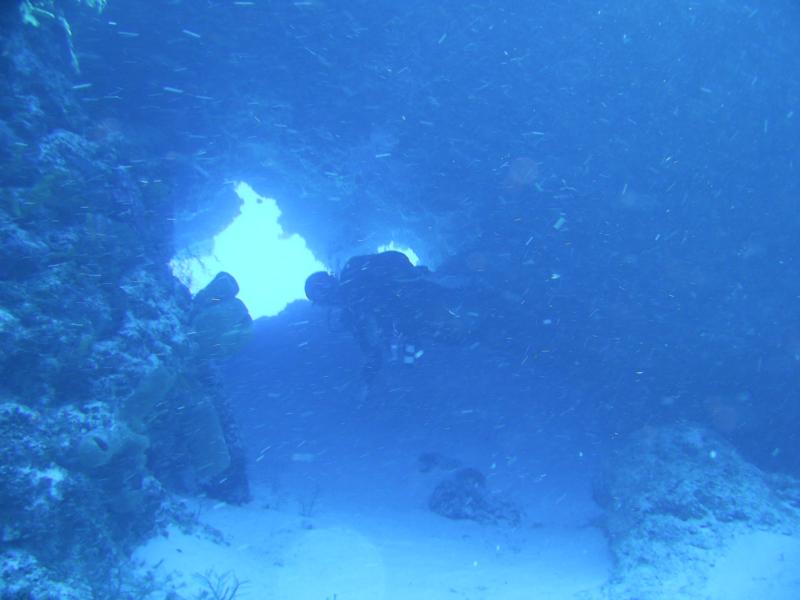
[464,495]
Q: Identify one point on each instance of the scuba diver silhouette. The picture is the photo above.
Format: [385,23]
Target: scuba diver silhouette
[390,306]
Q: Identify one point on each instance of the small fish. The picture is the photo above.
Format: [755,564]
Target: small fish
[101,443]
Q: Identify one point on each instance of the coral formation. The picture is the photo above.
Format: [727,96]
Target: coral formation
[672,496]
[464,495]
[220,320]
[108,396]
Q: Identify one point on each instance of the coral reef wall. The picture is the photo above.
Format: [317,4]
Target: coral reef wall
[96,351]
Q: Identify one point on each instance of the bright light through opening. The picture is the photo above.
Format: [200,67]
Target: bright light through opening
[270,266]
[412,256]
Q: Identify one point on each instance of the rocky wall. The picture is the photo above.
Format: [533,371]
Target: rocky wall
[104,390]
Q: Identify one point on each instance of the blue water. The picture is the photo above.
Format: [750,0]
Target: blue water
[617,180]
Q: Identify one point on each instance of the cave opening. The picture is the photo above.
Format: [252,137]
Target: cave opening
[269,264]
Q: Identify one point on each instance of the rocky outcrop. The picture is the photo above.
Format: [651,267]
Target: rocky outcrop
[105,385]
[464,495]
[676,500]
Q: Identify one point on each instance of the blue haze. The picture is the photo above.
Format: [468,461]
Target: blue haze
[664,134]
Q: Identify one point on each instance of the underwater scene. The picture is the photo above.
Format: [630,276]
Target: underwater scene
[399,300]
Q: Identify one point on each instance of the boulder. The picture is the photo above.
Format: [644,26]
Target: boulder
[677,499]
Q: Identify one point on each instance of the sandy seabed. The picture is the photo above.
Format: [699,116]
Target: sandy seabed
[377,555]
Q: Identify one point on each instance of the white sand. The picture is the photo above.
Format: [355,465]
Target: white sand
[417,555]
[757,565]
[380,556]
